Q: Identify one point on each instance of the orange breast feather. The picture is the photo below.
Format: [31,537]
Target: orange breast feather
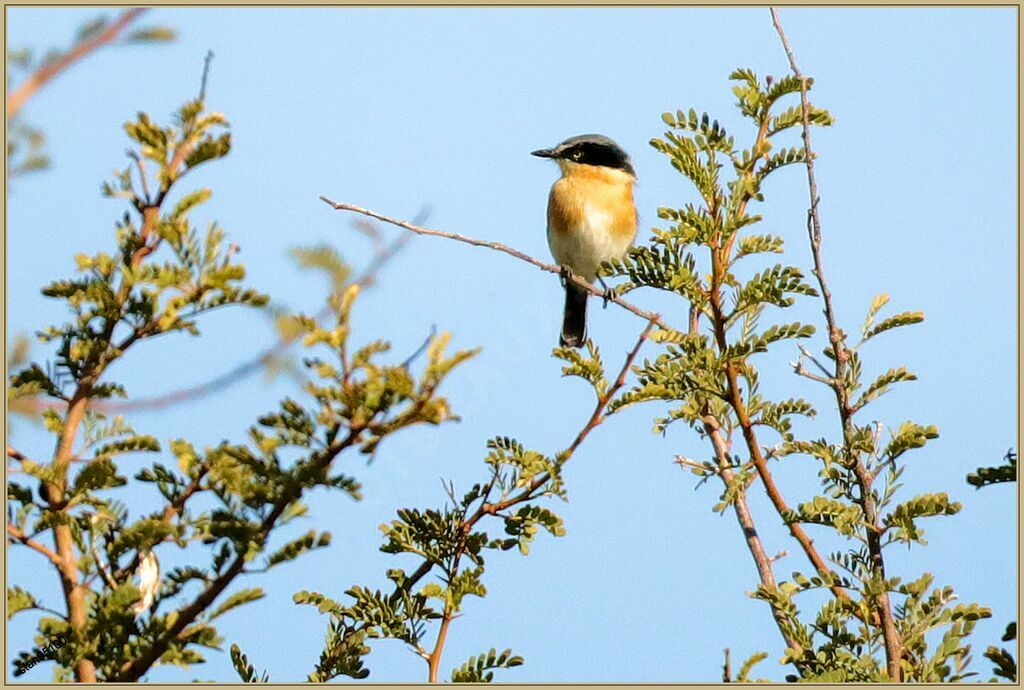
[589,190]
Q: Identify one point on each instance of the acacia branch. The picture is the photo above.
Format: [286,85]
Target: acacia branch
[237,374]
[38,79]
[596,419]
[20,537]
[746,521]
[496,246]
[890,634]
[133,670]
[734,396]
[529,492]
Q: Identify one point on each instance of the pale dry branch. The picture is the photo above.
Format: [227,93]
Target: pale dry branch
[890,634]
[496,246]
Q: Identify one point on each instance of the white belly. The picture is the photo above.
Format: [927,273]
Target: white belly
[584,248]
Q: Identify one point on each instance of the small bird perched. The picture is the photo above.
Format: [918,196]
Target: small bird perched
[591,219]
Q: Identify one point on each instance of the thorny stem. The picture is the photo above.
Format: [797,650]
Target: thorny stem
[893,644]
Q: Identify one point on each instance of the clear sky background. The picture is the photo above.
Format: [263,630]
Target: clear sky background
[395,109]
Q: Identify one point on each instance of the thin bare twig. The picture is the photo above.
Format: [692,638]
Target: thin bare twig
[206,73]
[422,348]
[15,454]
[38,79]
[890,634]
[99,564]
[143,177]
[497,246]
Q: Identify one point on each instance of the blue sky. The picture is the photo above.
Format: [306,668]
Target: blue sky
[398,108]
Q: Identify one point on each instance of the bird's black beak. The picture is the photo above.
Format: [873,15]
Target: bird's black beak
[543,153]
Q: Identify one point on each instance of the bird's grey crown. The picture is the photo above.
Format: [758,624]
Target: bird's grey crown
[595,139]
[594,149]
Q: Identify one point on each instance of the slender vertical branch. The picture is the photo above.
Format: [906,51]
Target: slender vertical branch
[67,565]
[206,73]
[734,397]
[434,661]
[746,521]
[893,644]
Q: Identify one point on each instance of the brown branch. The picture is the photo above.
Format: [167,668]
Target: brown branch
[15,454]
[434,660]
[746,521]
[487,508]
[734,397]
[890,634]
[132,670]
[496,246]
[38,79]
[22,538]
[67,562]
[741,508]
[596,419]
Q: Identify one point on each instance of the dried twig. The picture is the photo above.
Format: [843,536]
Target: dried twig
[206,73]
[497,246]
[893,644]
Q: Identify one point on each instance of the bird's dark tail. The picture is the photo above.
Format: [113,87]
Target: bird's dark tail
[574,322]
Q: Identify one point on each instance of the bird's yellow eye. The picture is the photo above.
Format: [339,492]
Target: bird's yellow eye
[577,154]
